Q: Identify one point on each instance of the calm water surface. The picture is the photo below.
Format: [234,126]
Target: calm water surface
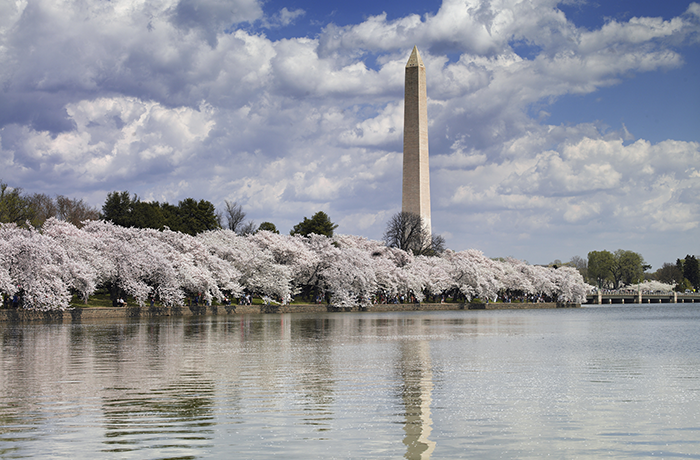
[606,382]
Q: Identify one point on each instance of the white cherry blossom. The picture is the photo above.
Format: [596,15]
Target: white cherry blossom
[45,266]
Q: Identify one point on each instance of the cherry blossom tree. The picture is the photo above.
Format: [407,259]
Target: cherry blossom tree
[436,273]
[45,267]
[7,286]
[570,286]
[260,274]
[89,264]
[312,283]
[474,275]
[515,278]
[294,252]
[387,264]
[349,277]
[651,286]
[135,262]
[390,280]
[197,270]
[38,268]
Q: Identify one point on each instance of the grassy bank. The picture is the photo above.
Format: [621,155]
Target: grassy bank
[102,300]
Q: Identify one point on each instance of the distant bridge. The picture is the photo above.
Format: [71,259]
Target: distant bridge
[601,298]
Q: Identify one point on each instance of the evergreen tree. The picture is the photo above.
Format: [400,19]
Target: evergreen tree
[319,224]
[268,226]
[197,216]
[147,215]
[117,208]
[189,216]
[691,271]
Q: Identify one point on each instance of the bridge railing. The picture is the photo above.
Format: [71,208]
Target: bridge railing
[632,296]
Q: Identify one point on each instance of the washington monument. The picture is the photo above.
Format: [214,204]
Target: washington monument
[416,173]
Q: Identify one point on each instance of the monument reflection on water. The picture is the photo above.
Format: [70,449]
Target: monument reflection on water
[617,381]
[416,371]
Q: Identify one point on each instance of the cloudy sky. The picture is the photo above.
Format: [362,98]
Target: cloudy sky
[556,127]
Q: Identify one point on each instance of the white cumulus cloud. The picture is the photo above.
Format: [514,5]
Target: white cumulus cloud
[170,99]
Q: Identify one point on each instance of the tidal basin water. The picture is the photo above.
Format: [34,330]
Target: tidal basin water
[596,382]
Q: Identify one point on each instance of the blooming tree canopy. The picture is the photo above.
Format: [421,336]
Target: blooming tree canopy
[45,268]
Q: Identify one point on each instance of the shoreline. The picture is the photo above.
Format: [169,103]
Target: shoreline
[96,313]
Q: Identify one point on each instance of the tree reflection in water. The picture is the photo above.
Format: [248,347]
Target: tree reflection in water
[176,419]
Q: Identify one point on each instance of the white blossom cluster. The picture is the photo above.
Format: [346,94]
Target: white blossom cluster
[48,266]
[651,286]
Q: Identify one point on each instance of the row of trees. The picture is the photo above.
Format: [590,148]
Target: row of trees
[614,270]
[404,231]
[20,208]
[193,217]
[188,216]
[46,267]
[685,273]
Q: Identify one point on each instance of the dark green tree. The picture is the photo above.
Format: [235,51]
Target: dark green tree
[614,270]
[268,226]
[118,207]
[39,207]
[691,271]
[147,215]
[171,217]
[189,216]
[319,224]
[600,265]
[197,216]
[669,274]
[629,268]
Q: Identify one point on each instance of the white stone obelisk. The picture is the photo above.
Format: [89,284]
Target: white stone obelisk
[416,172]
